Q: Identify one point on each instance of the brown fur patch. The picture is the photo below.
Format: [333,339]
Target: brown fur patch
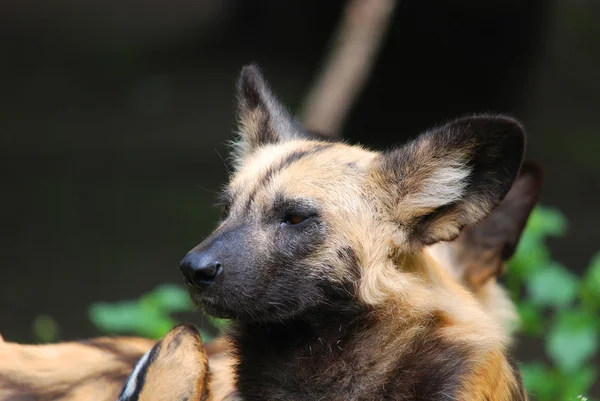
[179,369]
[494,379]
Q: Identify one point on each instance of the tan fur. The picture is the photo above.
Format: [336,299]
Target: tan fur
[179,370]
[472,272]
[481,253]
[97,369]
[94,369]
[221,366]
[492,380]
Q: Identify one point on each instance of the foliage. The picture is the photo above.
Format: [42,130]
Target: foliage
[557,308]
[149,316]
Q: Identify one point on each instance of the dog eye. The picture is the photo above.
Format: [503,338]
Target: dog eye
[294,219]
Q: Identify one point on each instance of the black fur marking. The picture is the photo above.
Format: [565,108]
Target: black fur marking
[283,207]
[328,357]
[286,162]
[263,281]
[498,143]
[249,87]
[141,376]
[350,260]
[432,370]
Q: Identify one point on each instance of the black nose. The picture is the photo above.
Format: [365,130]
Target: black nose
[199,268]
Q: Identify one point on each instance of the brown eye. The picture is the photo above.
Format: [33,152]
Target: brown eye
[294,219]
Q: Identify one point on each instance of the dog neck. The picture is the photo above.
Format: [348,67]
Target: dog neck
[354,355]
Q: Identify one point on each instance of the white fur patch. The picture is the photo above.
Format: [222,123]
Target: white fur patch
[132,382]
[446,185]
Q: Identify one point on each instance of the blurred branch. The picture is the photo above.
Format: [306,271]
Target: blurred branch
[345,70]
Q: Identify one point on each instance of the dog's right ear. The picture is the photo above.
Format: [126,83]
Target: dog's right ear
[481,251]
[262,118]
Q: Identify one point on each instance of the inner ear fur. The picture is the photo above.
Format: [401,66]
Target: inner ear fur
[451,176]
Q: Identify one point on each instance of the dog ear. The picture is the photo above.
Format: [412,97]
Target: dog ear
[450,177]
[176,368]
[481,251]
[262,118]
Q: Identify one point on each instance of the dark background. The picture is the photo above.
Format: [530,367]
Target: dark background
[114,115]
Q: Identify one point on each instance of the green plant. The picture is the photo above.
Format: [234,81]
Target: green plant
[558,308]
[148,316]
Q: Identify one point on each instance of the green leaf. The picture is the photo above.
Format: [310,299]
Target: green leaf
[547,221]
[148,316]
[118,317]
[532,253]
[539,380]
[590,291]
[528,260]
[169,298]
[572,340]
[130,317]
[553,286]
[530,319]
[579,382]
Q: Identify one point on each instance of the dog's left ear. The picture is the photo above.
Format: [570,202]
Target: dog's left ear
[262,118]
[449,177]
[481,251]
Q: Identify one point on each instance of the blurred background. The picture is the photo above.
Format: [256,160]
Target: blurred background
[114,117]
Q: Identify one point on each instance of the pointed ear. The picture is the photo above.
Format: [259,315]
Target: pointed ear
[176,368]
[482,250]
[262,119]
[450,177]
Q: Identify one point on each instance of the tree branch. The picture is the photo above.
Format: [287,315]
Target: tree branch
[347,67]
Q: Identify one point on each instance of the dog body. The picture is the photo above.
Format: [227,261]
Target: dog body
[321,261]
[330,263]
[88,370]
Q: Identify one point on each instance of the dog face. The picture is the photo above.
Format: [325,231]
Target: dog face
[310,225]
